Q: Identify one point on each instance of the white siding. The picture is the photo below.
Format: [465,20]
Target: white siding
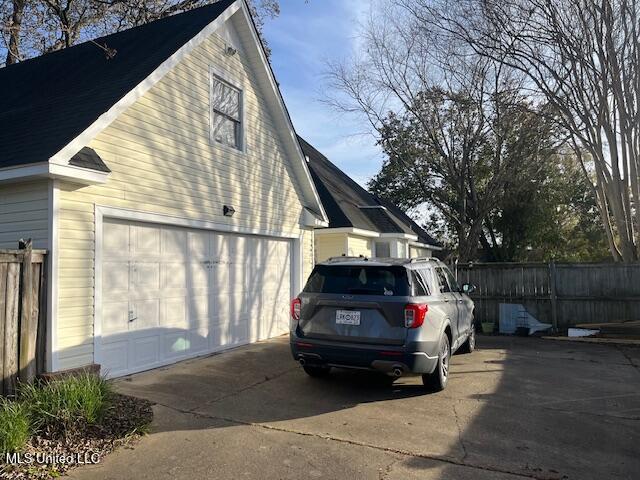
[24,213]
[163,162]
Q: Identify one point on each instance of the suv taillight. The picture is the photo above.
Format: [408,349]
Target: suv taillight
[414,314]
[295,308]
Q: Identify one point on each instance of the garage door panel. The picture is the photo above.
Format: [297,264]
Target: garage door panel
[199,339]
[198,275]
[173,276]
[145,351]
[199,245]
[147,314]
[146,241]
[199,309]
[115,278]
[145,276]
[115,317]
[187,292]
[115,240]
[174,243]
[176,344]
[174,313]
[115,357]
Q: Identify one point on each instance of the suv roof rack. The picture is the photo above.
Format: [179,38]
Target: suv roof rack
[344,258]
[424,259]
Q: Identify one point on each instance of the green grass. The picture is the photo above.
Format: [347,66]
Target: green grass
[65,401]
[15,426]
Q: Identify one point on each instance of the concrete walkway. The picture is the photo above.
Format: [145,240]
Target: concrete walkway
[516,408]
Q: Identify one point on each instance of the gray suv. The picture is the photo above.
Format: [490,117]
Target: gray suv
[398,316]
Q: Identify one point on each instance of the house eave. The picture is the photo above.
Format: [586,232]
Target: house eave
[402,236]
[348,230]
[44,170]
[425,245]
[310,219]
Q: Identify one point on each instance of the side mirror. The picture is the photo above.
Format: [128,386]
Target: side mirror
[468,288]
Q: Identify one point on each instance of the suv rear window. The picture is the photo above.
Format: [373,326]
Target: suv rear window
[358,280]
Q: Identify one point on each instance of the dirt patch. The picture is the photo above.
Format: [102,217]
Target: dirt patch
[53,452]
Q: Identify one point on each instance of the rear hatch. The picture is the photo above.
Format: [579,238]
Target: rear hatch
[355,303]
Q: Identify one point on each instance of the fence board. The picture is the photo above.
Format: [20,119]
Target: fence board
[22,315]
[562,294]
[11,330]
[3,302]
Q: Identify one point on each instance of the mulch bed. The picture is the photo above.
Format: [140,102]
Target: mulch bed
[53,452]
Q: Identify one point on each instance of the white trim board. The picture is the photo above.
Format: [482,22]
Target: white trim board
[150,217]
[399,236]
[424,245]
[348,230]
[51,358]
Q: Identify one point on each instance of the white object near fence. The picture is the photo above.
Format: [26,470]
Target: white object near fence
[514,316]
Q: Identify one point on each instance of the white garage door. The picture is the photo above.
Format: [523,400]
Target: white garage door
[172,293]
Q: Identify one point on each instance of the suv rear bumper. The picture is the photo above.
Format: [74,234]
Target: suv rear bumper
[410,358]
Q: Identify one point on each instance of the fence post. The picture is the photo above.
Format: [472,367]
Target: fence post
[553,296]
[28,328]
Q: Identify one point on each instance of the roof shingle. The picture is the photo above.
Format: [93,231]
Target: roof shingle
[47,101]
[349,205]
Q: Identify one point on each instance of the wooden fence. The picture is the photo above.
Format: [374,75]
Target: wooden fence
[22,315]
[562,294]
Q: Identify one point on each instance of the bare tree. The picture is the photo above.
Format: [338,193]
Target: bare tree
[582,57]
[30,28]
[450,122]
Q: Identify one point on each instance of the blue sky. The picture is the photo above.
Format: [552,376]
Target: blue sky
[302,39]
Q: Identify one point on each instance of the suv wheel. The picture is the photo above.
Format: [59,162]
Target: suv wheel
[437,380]
[316,371]
[470,344]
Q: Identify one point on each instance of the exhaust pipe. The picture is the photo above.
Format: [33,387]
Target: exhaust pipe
[302,362]
[397,372]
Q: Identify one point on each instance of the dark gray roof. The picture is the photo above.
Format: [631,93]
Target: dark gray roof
[48,101]
[349,205]
[423,236]
[88,158]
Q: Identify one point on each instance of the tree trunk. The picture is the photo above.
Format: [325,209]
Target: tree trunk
[13,47]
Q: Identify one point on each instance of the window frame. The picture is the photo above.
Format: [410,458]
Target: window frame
[222,77]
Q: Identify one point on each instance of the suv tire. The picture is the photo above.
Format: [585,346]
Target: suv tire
[470,344]
[316,371]
[437,380]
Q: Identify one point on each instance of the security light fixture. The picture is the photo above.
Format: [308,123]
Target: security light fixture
[228,210]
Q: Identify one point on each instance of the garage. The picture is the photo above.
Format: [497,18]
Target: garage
[171,293]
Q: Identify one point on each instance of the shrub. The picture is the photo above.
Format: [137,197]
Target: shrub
[15,426]
[66,401]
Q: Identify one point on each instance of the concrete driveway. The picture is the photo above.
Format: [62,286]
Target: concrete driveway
[516,408]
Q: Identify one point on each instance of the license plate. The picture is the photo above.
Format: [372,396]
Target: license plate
[348,317]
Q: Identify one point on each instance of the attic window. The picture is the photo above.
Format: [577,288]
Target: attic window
[226,113]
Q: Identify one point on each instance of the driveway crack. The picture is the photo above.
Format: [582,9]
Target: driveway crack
[266,379]
[397,451]
[460,439]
